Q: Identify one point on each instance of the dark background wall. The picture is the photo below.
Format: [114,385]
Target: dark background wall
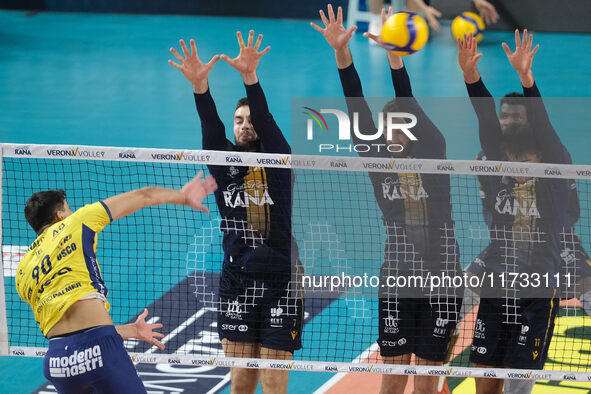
[539,15]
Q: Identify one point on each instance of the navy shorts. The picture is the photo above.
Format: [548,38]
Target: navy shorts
[513,337]
[417,325]
[263,308]
[93,361]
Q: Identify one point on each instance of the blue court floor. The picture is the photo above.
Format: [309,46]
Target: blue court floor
[86,79]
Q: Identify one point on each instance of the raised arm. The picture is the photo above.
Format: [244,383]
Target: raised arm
[489,128]
[246,63]
[521,59]
[191,195]
[338,38]
[196,72]
[433,142]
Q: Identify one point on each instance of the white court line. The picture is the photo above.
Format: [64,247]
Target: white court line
[338,376]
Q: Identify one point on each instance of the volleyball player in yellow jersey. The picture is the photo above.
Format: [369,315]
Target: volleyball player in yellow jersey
[60,279]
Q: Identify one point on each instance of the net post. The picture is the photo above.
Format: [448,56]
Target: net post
[3,319]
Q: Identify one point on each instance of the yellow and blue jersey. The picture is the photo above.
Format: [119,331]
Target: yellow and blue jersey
[61,267]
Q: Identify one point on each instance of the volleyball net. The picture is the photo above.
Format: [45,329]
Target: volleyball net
[350,256]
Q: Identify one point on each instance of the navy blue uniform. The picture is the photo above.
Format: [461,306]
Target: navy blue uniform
[526,222]
[575,260]
[258,302]
[93,361]
[416,212]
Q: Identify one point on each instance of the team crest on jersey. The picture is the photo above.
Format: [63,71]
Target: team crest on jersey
[233,171]
[252,192]
[402,189]
[514,204]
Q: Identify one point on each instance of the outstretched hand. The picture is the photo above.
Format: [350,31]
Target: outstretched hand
[192,67]
[487,11]
[394,59]
[334,32]
[521,59]
[468,57]
[378,39]
[248,59]
[197,189]
[145,331]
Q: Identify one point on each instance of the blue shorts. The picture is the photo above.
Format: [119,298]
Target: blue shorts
[263,308]
[93,361]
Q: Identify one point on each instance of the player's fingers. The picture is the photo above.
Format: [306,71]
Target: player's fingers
[350,31]
[202,209]
[157,343]
[506,49]
[436,13]
[250,37]
[316,27]
[199,174]
[177,55]
[185,49]
[213,61]
[240,39]
[257,45]
[267,49]
[331,17]
[477,57]
[155,326]
[227,59]
[530,42]
[193,47]
[143,314]
[324,19]
[175,65]
[389,11]
[340,15]
[383,16]
[517,39]
[524,41]
[535,50]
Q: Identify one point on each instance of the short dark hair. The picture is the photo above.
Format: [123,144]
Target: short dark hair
[519,140]
[242,102]
[391,106]
[513,98]
[41,208]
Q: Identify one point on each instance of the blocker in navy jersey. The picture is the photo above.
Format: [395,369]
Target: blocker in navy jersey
[260,256]
[255,202]
[93,361]
[416,211]
[527,218]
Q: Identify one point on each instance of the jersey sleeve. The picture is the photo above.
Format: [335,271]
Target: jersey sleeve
[431,140]
[272,139]
[355,103]
[212,128]
[489,128]
[95,216]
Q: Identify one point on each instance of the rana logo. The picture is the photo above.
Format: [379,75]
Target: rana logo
[22,150]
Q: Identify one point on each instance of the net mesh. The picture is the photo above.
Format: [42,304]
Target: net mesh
[169,259]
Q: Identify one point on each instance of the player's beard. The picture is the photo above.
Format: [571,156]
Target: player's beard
[251,145]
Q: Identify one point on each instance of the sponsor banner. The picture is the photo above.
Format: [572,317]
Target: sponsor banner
[334,163]
[319,366]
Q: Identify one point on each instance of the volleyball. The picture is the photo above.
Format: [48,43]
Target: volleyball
[467,23]
[405,33]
